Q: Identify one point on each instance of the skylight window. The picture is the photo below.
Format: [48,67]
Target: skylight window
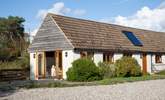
[133,38]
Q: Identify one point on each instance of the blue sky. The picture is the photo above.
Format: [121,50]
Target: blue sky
[113,11]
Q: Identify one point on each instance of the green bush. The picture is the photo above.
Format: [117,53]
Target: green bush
[83,70]
[107,70]
[25,60]
[127,66]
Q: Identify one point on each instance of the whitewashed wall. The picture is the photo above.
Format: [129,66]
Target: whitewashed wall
[158,66]
[67,61]
[163,59]
[76,55]
[137,56]
[117,56]
[68,56]
[98,57]
[149,63]
[32,66]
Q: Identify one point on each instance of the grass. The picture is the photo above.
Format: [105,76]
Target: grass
[19,63]
[57,84]
[161,72]
[129,79]
[5,86]
[11,86]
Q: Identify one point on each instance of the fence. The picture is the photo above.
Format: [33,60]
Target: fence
[14,74]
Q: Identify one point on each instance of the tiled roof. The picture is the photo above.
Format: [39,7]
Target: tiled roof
[86,34]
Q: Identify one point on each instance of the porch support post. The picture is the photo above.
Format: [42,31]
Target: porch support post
[36,66]
[57,58]
[58,61]
[43,64]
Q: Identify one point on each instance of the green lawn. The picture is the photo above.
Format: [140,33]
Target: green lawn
[161,72]
[129,79]
[6,86]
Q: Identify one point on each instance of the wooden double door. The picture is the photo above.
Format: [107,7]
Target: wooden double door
[45,61]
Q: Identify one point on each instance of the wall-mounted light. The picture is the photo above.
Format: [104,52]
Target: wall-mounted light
[66,54]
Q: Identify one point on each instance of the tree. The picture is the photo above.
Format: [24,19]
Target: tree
[11,37]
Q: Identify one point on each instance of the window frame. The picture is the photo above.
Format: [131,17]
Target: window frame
[133,38]
[108,57]
[83,54]
[87,54]
[90,55]
[127,54]
[158,58]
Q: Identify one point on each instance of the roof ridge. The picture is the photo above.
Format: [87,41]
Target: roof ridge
[58,15]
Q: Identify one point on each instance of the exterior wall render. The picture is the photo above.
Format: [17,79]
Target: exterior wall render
[76,55]
[98,57]
[68,56]
[67,59]
[117,56]
[158,66]
[32,66]
[137,56]
[149,63]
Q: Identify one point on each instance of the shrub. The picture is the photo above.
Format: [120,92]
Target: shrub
[107,70]
[127,66]
[18,63]
[25,60]
[83,70]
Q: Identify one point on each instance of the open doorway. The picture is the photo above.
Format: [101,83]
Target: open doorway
[50,60]
[54,58]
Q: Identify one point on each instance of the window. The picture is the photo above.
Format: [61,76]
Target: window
[85,54]
[108,57]
[90,55]
[132,38]
[158,58]
[127,55]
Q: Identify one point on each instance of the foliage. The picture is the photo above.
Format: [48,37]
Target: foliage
[127,66]
[19,63]
[49,84]
[83,70]
[11,37]
[8,86]
[107,70]
[12,26]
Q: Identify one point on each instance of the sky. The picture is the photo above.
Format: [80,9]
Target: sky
[144,14]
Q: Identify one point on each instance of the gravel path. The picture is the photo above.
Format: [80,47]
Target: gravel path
[146,90]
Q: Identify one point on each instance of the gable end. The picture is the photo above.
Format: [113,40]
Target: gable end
[50,37]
